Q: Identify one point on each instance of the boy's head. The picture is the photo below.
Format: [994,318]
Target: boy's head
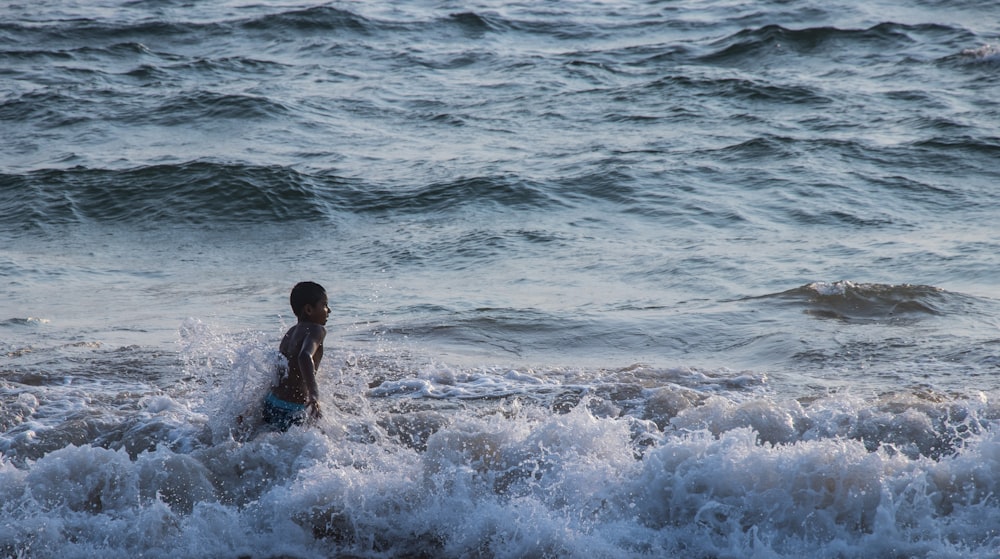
[305,293]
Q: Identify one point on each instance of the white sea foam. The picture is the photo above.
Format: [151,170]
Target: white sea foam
[985,53]
[828,289]
[456,462]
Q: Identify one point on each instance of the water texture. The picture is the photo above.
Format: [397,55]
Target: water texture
[608,279]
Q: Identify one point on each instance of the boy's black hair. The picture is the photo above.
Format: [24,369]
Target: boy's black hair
[305,293]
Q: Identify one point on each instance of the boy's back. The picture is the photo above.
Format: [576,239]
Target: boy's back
[295,393]
[302,346]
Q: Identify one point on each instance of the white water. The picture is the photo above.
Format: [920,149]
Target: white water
[453,462]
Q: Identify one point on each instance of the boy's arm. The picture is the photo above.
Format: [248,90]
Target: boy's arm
[311,345]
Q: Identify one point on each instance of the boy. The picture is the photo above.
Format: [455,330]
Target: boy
[295,397]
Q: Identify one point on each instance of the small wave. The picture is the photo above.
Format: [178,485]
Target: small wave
[474,22]
[93,31]
[37,54]
[204,191]
[864,302]
[207,105]
[238,64]
[478,24]
[188,193]
[503,191]
[749,45]
[762,147]
[319,18]
[48,109]
[986,54]
[989,146]
[756,90]
[27,321]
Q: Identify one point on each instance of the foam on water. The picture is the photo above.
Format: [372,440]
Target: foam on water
[419,458]
[985,53]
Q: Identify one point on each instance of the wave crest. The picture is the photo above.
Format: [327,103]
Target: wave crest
[850,301]
[748,45]
[188,193]
[204,191]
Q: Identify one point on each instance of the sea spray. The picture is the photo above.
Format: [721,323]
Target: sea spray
[514,473]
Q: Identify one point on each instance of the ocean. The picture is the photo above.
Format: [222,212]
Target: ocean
[608,278]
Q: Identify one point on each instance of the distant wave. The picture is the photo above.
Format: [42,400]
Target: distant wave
[203,105]
[319,18]
[863,302]
[202,191]
[986,54]
[749,45]
[54,110]
[91,30]
[186,193]
[163,31]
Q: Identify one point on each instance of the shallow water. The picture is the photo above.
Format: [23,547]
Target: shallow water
[609,279]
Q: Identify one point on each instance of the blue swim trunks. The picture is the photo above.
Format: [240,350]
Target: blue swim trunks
[281,414]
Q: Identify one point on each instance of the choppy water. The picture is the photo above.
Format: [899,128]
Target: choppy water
[609,279]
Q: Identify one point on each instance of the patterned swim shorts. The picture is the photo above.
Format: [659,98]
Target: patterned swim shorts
[281,414]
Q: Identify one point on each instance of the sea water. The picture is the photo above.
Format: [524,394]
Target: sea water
[608,278]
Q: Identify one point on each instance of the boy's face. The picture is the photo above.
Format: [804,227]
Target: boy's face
[317,312]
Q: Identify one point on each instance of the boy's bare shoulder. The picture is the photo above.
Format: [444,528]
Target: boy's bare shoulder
[300,332]
[309,329]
